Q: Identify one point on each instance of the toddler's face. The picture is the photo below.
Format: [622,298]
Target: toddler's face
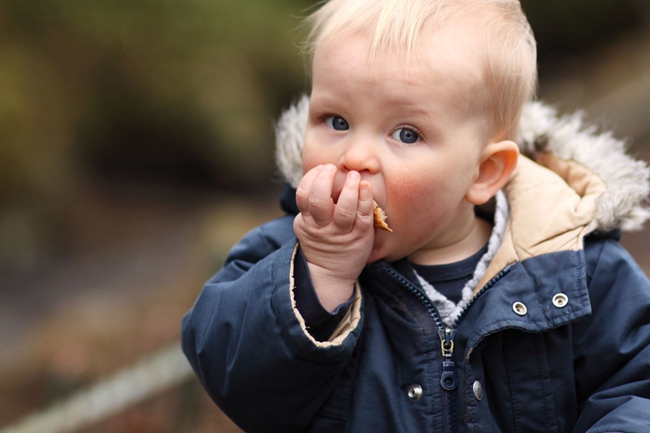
[407,129]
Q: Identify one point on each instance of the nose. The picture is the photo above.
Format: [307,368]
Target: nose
[361,154]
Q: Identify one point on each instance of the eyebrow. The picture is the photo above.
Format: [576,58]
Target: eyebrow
[324,101]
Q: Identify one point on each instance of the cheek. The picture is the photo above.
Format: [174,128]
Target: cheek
[313,155]
[308,162]
[407,204]
[401,195]
[411,192]
[421,200]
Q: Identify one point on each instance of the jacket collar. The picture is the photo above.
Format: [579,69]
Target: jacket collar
[552,287]
[553,205]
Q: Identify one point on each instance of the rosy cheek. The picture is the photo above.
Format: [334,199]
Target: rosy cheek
[408,191]
[307,164]
[412,204]
[311,159]
[405,186]
[314,153]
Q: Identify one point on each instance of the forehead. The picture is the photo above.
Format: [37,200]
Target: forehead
[446,61]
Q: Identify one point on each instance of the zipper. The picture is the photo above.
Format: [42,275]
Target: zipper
[448,377]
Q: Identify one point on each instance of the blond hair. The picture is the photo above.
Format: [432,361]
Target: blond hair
[506,46]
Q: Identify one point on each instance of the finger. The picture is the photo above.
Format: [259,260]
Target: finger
[365,207]
[304,189]
[321,205]
[346,206]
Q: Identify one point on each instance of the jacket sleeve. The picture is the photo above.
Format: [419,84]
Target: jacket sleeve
[249,346]
[613,344]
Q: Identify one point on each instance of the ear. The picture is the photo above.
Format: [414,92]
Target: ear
[498,161]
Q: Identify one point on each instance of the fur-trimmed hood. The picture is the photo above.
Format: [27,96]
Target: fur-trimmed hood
[623,203]
[570,181]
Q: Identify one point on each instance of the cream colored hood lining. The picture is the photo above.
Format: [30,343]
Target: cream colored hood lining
[547,215]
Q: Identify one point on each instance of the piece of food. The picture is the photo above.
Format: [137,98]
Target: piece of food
[380,217]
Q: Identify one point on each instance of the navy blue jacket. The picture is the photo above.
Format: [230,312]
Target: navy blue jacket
[582,365]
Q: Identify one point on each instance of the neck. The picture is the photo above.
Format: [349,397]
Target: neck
[471,240]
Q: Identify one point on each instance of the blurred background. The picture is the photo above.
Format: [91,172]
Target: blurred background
[136,147]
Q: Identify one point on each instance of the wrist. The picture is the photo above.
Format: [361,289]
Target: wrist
[332,288]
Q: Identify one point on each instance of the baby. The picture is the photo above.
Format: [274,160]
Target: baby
[406,118]
[500,301]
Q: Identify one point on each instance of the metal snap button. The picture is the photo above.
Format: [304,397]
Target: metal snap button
[478,390]
[560,300]
[415,393]
[519,308]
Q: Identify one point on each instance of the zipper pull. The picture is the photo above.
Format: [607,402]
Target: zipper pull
[448,380]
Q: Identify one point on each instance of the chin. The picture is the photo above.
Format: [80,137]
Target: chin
[377,253]
[381,253]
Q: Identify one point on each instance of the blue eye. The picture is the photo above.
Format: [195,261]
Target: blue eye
[405,135]
[337,123]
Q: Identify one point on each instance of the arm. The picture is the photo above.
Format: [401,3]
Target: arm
[613,344]
[249,346]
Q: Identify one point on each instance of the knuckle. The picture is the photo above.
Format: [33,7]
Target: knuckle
[302,192]
[346,214]
[317,202]
[364,222]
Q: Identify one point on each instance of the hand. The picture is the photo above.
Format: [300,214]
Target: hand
[336,238]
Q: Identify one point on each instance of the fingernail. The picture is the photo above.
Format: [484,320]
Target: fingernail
[330,167]
[353,175]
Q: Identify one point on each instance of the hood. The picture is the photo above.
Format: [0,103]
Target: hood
[570,180]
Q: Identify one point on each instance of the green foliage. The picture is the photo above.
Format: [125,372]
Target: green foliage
[89,66]
[156,80]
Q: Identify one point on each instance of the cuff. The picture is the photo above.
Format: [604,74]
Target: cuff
[319,322]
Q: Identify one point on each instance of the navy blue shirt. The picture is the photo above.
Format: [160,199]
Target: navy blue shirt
[450,278]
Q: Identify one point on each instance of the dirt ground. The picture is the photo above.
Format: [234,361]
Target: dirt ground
[78,320]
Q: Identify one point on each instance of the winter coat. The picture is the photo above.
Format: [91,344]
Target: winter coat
[555,337]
